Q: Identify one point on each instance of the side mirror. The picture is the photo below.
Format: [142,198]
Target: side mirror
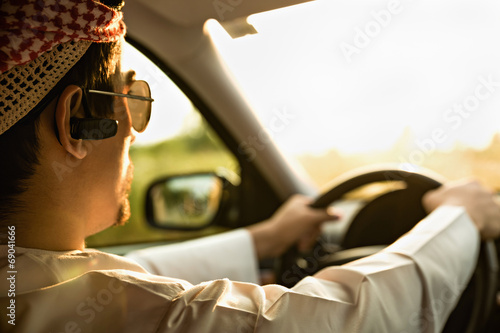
[186,202]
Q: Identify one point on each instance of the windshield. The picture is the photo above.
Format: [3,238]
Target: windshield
[364,82]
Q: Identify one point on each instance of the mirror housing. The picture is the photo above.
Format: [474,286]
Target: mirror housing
[185,202]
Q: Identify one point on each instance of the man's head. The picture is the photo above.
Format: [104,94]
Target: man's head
[52,181]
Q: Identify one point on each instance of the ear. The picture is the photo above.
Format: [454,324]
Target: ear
[70,105]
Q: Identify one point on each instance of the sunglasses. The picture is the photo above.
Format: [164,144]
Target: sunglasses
[139,103]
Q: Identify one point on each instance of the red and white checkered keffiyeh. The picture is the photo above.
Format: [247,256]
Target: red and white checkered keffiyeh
[28,28]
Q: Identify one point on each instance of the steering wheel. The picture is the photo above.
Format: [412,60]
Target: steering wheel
[382,221]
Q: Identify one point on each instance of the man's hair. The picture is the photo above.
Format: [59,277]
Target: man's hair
[19,146]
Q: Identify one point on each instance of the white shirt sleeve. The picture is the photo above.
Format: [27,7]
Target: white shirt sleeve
[411,286]
[414,284]
[228,255]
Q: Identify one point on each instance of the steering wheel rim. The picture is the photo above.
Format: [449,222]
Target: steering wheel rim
[482,285]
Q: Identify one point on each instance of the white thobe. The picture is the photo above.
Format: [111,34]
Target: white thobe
[411,286]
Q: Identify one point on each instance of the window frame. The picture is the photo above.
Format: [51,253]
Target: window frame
[256,199]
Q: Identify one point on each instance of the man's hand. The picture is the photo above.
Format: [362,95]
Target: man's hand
[480,203]
[294,222]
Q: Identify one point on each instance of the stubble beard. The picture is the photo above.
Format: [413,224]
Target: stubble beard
[123,214]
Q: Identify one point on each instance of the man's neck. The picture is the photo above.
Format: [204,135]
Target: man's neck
[47,230]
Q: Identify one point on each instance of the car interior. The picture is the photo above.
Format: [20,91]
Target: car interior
[256,101]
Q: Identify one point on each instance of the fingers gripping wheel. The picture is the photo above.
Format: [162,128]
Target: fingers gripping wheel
[381,222]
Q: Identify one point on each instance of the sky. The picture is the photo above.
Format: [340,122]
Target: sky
[354,75]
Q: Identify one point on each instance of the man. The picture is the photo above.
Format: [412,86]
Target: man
[59,62]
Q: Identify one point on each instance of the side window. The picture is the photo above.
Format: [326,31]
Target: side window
[177,141]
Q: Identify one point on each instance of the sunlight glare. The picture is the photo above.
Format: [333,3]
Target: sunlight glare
[401,86]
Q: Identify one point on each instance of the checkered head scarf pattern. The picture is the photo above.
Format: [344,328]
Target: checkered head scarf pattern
[40,40]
